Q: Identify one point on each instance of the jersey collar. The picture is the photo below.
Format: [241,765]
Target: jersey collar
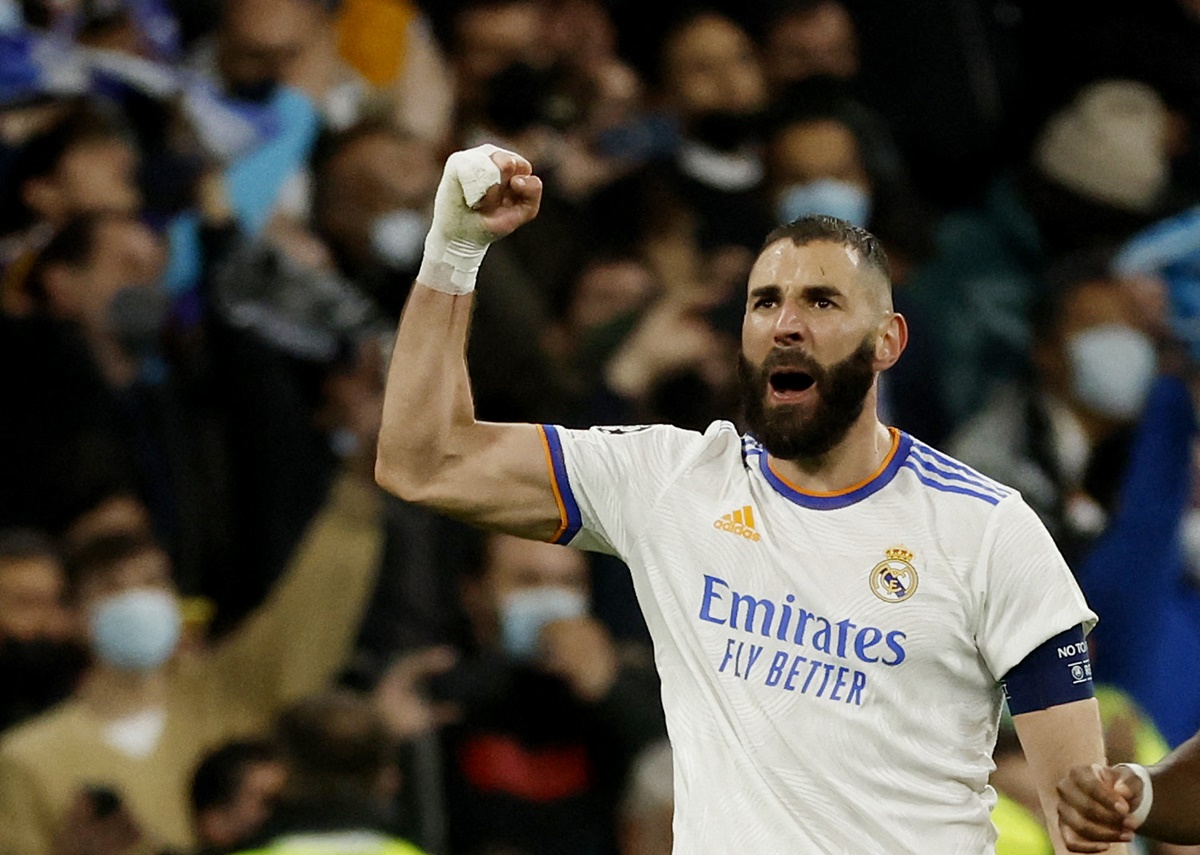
[880,478]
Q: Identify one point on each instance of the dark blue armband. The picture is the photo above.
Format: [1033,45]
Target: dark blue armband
[1056,672]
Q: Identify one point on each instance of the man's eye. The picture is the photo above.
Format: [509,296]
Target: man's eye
[764,302]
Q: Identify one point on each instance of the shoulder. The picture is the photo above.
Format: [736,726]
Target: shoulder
[42,734]
[672,444]
[950,478]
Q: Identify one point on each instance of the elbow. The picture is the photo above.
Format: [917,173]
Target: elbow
[405,481]
[396,479]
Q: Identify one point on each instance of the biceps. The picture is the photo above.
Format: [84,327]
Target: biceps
[503,479]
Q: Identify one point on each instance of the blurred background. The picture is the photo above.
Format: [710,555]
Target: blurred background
[215,631]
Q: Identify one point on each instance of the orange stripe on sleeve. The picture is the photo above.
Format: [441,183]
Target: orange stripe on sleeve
[558,499]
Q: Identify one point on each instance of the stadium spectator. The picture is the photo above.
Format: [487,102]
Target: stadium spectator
[40,660]
[810,38]
[143,717]
[1097,173]
[542,715]
[341,781]
[233,792]
[1062,436]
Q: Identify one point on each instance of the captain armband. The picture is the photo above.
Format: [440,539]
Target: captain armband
[1056,672]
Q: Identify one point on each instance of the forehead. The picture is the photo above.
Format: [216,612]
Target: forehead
[148,568]
[269,22]
[1092,304]
[819,262]
[707,39]
[36,572]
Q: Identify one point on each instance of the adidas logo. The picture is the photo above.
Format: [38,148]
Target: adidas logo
[739,522]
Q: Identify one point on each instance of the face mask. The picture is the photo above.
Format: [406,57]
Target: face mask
[398,237]
[828,196]
[136,317]
[255,91]
[136,630]
[1112,367]
[524,613]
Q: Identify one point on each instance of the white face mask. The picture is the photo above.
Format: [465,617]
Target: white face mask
[398,237]
[524,613]
[1112,367]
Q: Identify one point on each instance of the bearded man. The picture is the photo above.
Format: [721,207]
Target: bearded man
[837,609]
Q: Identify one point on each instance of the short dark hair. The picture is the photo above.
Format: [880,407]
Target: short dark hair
[104,554]
[71,246]
[1065,275]
[84,122]
[18,544]
[217,779]
[333,740]
[820,227]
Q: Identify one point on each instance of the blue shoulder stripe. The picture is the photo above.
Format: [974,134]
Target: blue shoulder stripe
[952,475]
[950,488]
[946,460]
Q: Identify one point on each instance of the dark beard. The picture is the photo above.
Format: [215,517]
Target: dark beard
[786,431]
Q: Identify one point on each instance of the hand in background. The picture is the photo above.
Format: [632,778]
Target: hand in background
[581,652]
[401,696]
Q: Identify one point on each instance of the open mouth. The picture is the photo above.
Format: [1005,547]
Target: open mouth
[787,382]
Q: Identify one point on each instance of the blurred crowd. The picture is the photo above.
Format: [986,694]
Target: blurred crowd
[217,634]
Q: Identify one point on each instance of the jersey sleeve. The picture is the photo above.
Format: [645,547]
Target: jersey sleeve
[607,480]
[1029,595]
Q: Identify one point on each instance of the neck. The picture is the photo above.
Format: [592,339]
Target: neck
[112,693]
[852,461]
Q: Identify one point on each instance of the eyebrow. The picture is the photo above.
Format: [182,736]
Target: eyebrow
[808,292]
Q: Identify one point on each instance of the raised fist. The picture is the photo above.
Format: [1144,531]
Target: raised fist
[485,193]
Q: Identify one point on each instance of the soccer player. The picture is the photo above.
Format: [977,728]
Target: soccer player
[1101,804]
[834,605]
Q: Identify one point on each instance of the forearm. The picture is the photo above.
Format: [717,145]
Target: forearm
[1175,812]
[427,403]
[1054,740]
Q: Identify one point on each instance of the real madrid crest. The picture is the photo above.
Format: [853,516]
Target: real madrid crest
[894,579]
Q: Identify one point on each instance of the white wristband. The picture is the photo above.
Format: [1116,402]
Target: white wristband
[1143,808]
[457,239]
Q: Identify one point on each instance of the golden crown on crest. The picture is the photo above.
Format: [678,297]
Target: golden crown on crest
[899,553]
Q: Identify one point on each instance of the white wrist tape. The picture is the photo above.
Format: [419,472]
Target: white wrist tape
[1143,808]
[458,239]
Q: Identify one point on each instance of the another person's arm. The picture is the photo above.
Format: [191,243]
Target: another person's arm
[432,450]
[1097,803]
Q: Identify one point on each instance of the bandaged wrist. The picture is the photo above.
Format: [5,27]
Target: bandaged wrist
[450,266]
[1143,808]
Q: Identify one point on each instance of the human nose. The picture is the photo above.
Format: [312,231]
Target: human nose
[790,327]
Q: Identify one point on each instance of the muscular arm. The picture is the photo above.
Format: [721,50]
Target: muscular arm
[432,451]
[1054,740]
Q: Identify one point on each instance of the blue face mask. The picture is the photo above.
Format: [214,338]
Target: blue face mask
[136,630]
[525,613]
[828,196]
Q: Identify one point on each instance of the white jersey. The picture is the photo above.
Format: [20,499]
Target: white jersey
[829,662]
